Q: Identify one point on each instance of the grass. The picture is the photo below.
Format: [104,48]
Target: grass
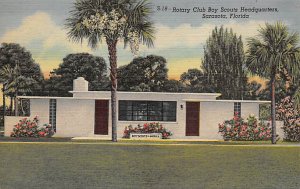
[133,165]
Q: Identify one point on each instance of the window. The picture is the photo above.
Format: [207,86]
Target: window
[52,113]
[237,109]
[147,110]
[265,111]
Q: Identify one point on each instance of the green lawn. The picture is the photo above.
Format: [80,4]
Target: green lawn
[107,165]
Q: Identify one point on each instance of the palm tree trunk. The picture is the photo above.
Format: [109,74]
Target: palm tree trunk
[273,111]
[11,105]
[4,105]
[112,50]
[16,105]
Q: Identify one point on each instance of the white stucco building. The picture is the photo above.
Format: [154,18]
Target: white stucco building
[88,114]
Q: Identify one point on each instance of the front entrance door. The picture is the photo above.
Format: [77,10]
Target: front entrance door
[101,117]
[192,118]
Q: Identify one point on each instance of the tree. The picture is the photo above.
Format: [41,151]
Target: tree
[141,88]
[253,91]
[92,68]
[223,64]
[19,72]
[15,83]
[195,81]
[272,51]
[174,86]
[281,91]
[111,20]
[150,70]
[13,54]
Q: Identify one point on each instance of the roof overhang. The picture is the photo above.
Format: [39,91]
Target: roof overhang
[229,101]
[55,97]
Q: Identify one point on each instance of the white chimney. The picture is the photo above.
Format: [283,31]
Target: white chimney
[80,84]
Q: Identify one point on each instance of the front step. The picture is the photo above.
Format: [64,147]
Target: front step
[100,137]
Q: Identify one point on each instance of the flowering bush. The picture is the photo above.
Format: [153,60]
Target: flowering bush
[290,116]
[238,129]
[28,128]
[147,128]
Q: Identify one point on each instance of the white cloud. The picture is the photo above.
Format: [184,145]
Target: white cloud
[40,27]
[186,36]
[45,39]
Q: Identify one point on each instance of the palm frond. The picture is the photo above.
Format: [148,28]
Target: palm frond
[76,31]
[139,19]
[272,50]
[136,12]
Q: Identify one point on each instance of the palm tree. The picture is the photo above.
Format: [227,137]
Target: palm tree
[8,78]
[112,20]
[15,83]
[271,52]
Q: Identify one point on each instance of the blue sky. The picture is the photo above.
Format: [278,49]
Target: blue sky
[38,25]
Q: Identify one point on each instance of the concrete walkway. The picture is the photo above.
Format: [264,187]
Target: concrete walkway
[158,140]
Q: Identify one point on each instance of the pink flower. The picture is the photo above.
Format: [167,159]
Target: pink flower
[41,133]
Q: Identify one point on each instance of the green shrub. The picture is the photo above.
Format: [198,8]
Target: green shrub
[147,128]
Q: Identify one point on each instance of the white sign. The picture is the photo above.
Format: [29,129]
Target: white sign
[147,136]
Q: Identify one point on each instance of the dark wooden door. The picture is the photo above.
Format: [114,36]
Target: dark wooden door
[101,117]
[192,118]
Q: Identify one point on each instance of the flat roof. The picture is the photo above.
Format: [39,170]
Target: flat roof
[129,92]
[187,100]
[243,101]
[55,97]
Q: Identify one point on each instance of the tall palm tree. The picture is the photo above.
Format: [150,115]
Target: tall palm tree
[112,20]
[271,52]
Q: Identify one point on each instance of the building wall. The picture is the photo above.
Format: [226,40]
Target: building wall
[40,108]
[213,113]
[177,128]
[249,108]
[10,122]
[74,117]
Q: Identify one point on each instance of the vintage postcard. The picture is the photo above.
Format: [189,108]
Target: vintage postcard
[149,94]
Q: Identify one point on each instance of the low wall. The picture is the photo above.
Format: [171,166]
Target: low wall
[10,122]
